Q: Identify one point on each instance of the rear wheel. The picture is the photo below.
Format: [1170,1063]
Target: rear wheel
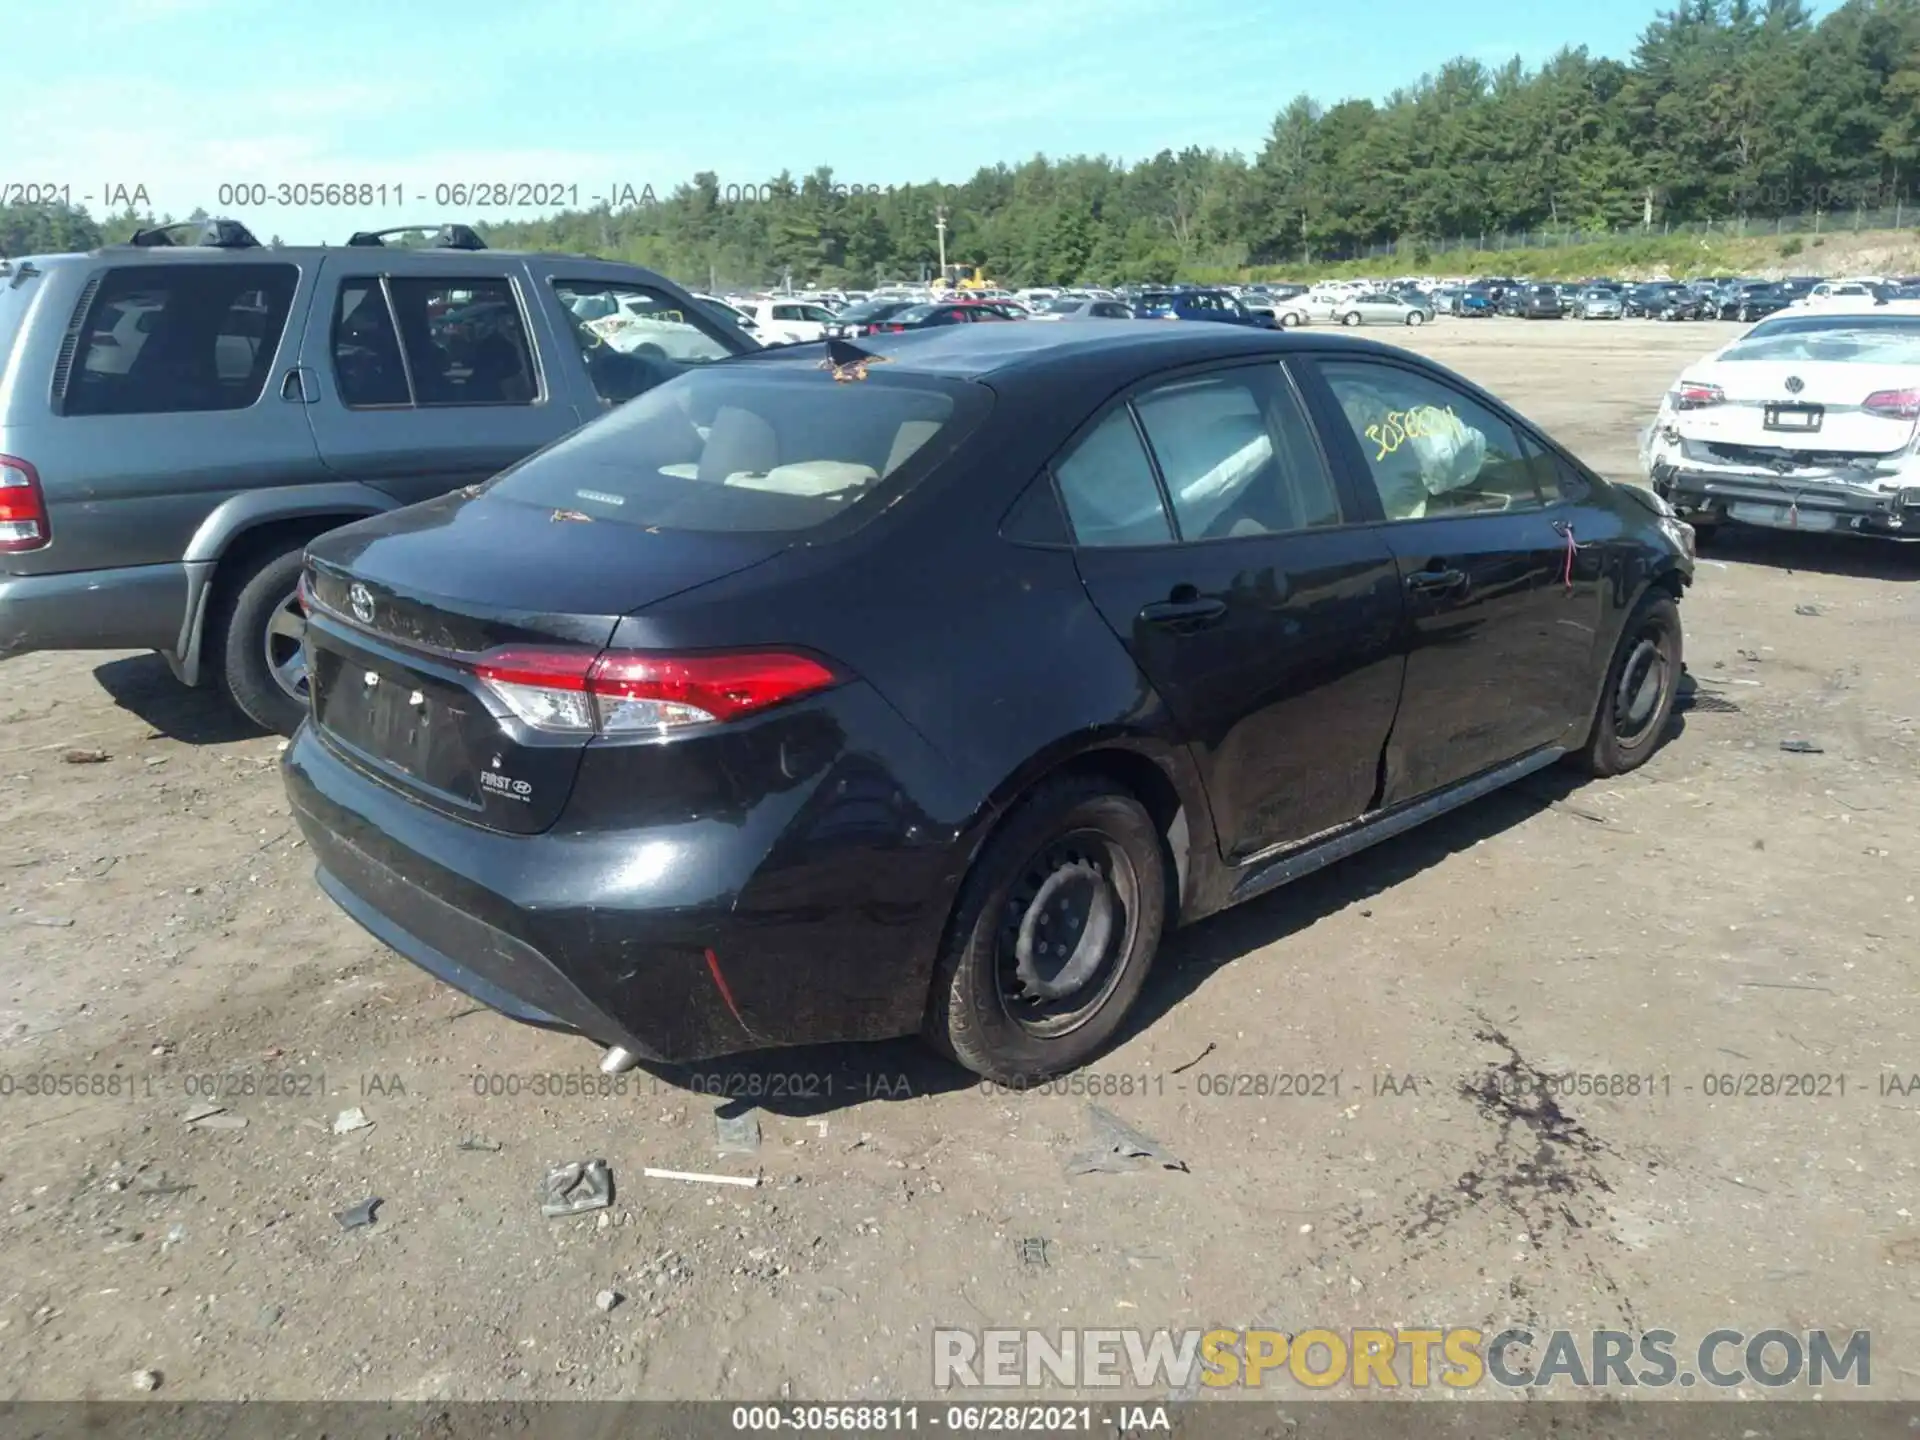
[1289,320]
[1054,933]
[261,643]
[1641,683]
[1352,317]
[1414,317]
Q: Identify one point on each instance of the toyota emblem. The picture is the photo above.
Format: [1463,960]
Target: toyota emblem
[1795,384]
[361,600]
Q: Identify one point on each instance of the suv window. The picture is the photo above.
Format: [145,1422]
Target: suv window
[421,342]
[170,339]
[1214,438]
[1430,449]
[632,337]
[1106,482]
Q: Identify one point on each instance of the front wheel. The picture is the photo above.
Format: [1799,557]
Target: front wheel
[1414,317]
[1053,935]
[1351,318]
[262,644]
[1641,683]
[1287,322]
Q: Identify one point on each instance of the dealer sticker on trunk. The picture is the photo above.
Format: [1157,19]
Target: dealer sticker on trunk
[505,785]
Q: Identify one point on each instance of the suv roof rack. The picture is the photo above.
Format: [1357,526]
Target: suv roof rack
[221,234]
[445,237]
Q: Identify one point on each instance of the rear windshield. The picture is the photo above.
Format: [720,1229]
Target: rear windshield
[735,449]
[1872,340]
[872,309]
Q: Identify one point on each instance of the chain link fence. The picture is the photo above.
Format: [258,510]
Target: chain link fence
[1900,216]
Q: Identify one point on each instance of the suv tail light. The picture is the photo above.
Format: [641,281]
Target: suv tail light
[23,508]
[1694,396]
[1893,404]
[632,693]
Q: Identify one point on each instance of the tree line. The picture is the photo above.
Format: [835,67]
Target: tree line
[1725,109]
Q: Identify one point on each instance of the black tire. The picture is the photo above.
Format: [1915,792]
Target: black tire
[241,639]
[1637,700]
[1094,848]
[1289,320]
[1352,317]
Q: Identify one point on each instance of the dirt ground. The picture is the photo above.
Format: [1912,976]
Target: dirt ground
[1731,909]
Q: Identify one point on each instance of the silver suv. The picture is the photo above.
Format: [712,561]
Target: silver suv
[177,421]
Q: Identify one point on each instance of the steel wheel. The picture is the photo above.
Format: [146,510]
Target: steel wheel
[1645,679]
[1067,926]
[285,642]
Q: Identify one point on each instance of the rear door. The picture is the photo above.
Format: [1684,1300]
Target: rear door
[1212,537]
[428,382]
[1502,600]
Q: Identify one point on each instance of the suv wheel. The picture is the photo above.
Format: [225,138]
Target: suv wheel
[262,644]
[1053,935]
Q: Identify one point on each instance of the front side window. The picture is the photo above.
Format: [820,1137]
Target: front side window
[1429,449]
[633,337]
[172,339]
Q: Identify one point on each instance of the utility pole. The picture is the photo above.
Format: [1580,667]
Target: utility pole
[940,225]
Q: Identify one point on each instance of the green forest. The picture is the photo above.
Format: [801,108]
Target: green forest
[1724,110]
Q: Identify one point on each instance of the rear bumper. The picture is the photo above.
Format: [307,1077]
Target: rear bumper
[683,943]
[142,607]
[1779,502]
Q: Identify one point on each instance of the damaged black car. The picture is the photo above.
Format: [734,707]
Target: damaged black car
[836,694]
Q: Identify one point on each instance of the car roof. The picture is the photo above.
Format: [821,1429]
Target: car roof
[978,352]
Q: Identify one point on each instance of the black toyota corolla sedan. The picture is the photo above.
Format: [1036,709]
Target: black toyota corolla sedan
[838,693]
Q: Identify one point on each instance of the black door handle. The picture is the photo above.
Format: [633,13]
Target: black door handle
[1435,581]
[1184,614]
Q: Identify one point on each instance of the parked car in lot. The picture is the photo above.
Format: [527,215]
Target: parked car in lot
[1473,304]
[1806,422]
[1282,314]
[1598,303]
[1751,300]
[1682,303]
[178,420]
[935,315]
[789,322]
[1077,309]
[1538,302]
[1214,306]
[1377,307]
[860,318]
[685,775]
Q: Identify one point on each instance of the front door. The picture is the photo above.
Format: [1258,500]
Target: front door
[1212,538]
[1470,511]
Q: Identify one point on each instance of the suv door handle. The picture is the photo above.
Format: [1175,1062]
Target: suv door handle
[1185,614]
[1435,581]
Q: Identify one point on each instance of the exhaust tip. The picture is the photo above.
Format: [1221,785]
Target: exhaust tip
[618,1060]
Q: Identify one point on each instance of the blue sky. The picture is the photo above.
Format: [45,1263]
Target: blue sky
[183,95]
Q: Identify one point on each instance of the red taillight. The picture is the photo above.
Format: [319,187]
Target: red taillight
[23,508]
[891,329]
[626,692]
[1694,396]
[1893,404]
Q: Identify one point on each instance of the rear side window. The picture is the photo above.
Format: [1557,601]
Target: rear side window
[173,339]
[633,337]
[1106,482]
[730,450]
[407,342]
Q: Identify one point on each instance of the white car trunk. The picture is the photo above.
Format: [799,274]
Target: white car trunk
[1800,405]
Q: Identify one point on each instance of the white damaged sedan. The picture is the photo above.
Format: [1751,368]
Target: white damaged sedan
[1806,422]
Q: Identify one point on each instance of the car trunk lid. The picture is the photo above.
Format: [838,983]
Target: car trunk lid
[404,608]
[1825,408]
